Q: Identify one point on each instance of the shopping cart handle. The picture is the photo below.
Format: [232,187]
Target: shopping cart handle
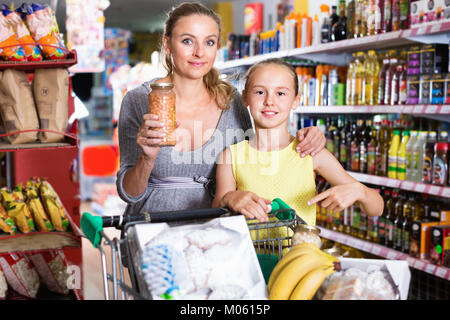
[92,227]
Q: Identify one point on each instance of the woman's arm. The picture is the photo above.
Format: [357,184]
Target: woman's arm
[245,202]
[345,190]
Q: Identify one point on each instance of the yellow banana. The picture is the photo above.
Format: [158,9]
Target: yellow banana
[310,283]
[293,253]
[286,281]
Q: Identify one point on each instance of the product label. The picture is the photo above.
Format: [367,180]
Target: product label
[405,245]
[371,160]
[402,91]
[330,146]
[381,91]
[401,168]
[355,157]
[363,222]
[389,230]
[363,159]
[381,226]
[343,154]
[427,167]
[397,237]
[439,171]
[392,167]
[356,217]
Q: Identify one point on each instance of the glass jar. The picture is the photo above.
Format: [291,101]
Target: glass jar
[161,101]
[306,233]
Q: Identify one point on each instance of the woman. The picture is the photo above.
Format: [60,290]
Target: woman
[210,116]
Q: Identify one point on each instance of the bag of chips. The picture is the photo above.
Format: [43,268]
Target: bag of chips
[6,223]
[40,217]
[10,48]
[17,209]
[53,206]
[20,274]
[32,52]
[52,269]
[3,286]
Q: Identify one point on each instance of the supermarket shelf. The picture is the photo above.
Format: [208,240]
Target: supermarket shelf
[437,109]
[38,241]
[31,66]
[6,147]
[388,253]
[419,187]
[327,51]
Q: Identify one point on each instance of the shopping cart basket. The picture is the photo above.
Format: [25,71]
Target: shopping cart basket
[269,239]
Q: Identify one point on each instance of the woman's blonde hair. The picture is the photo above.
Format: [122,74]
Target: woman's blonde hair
[220,90]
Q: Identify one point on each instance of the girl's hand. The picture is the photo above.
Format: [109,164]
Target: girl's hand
[247,203]
[339,197]
[312,141]
[148,138]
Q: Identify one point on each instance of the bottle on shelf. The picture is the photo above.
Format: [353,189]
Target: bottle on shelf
[359,11]
[355,146]
[390,219]
[350,19]
[393,61]
[336,137]
[409,210]
[405,14]
[356,218]
[418,153]
[329,136]
[410,165]
[374,17]
[339,29]
[382,78]
[382,150]
[370,85]
[440,164]
[372,152]
[364,148]
[401,156]
[395,12]
[393,150]
[372,226]
[358,79]
[382,218]
[333,19]
[398,222]
[348,142]
[427,168]
[363,225]
[387,25]
[349,81]
[343,152]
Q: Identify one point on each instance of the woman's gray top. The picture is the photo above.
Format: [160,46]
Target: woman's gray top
[178,179]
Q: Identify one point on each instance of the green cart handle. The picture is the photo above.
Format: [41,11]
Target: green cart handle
[92,227]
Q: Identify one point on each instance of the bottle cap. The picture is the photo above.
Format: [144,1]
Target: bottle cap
[441,146]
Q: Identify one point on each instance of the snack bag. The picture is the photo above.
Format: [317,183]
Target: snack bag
[40,217]
[10,48]
[53,206]
[20,274]
[6,223]
[41,23]
[32,52]
[17,208]
[3,286]
[52,269]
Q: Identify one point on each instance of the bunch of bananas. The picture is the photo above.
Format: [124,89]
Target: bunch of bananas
[300,273]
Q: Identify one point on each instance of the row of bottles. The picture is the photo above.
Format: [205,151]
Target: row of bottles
[398,149]
[395,227]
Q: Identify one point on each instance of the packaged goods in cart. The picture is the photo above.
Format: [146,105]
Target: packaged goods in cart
[17,209]
[20,274]
[41,22]
[7,224]
[53,206]
[32,52]
[17,107]
[3,285]
[306,233]
[10,48]
[52,269]
[213,260]
[40,217]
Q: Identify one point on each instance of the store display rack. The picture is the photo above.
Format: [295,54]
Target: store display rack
[385,252]
[419,187]
[29,66]
[339,52]
[421,109]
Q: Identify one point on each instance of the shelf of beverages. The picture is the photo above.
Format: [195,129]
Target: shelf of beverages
[385,252]
[378,109]
[440,191]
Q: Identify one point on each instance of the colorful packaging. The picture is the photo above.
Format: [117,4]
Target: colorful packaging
[253,17]
[52,269]
[425,239]
[433,58]
[20,274]
[412,89]
[447,88]
[417,12]
[438,235]
[6,223]
[437,88]
[32,52]
[40,217]
[41,22]
[17,209]
[53,206]
[10,48]
[425,89]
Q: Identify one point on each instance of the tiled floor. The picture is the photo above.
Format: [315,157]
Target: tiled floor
[92,266]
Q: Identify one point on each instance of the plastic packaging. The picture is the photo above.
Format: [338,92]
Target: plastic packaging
[401,156]
[393,150]
[306,233]
[10,48]
[162,103]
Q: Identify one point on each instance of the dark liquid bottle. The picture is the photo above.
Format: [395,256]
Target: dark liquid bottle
[350,19]
[343,152]
[387,25]
[355,146]
[333,19]
[372,152]
[382,219]
[390,219]
[364,149]
[398,222]
[409,211]
[339,29]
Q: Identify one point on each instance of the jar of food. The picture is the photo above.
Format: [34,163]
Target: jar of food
[306,233]
[161,101]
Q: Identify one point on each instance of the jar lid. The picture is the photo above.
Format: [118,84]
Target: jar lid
[306,228]
[161,85]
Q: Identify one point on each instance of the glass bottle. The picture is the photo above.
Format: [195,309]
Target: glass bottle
[343,152]
[357,86]
[387,25]
[349,81]
[404,14]
[382,78]
[382,218]
[372,68]
[398,222]
[393,61]
[350,19]
[339,29]
[390,219]
[395,12]
[355,146]
[409,210]
[372,153]
[161,102]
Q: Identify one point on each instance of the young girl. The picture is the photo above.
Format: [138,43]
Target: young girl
[250,174]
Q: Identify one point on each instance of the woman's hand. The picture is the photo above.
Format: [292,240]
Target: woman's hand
[247,203]
[312,141]
[148,138]
[339,197]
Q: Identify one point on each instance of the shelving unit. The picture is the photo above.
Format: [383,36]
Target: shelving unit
[57,162]
[385,252]
[428,280]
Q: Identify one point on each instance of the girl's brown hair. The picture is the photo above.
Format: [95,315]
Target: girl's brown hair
[220,90]
[276,61]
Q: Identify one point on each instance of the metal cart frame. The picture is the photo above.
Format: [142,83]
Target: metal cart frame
[92,226]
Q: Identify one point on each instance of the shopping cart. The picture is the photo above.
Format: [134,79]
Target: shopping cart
[270,239]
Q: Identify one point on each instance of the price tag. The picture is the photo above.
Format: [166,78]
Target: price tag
[408,185]
[410,261]
[431,109]
[446,192]
[418,109]
[430,268]
[408,109]
[445,109]
[434,190]
[391,255]
[392,183]
[419,264]
[435,27]
[376,250]
[441,272]
[406,33]
[367,247]
[421,30]
[420,187]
